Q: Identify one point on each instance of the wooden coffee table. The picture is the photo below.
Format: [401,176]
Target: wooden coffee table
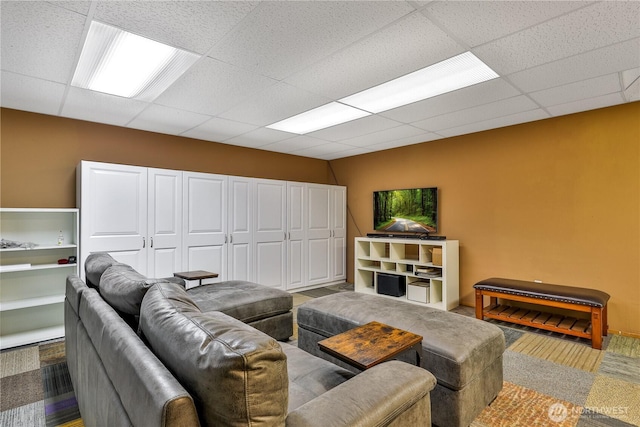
[370,344]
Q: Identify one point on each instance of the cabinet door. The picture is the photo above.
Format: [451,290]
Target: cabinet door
[318,233]
[113,203]
[296,235]
[165,222]
[204,223]
[240,229]
[339,232]
[270,232]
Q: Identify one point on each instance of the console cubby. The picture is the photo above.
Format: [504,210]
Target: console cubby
[432,285]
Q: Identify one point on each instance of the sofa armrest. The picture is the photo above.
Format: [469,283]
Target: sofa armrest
[379,396]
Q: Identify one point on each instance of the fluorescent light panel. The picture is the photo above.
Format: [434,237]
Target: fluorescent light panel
[319,118]
[451,74]
[124,64]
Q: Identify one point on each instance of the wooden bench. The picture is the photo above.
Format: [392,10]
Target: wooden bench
[565,297]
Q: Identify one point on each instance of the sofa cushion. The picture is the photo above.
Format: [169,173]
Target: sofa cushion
[236,374]
[95,265]
[245,301]
[123,288]
[310,376]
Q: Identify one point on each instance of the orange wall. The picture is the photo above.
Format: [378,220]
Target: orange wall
[40,154]
[556,200]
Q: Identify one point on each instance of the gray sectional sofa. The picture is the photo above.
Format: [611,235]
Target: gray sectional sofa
[146,352]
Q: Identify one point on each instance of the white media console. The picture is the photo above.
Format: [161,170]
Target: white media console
[427,270]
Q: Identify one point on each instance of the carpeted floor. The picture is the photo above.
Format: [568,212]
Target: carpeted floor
[549,380]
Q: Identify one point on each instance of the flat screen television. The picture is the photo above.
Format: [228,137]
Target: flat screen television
[406,211]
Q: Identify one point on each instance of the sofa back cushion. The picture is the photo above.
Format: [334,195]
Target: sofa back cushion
[124,288]
[236,374]
[95,265]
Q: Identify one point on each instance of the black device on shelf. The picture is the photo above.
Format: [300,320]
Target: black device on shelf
[391,284]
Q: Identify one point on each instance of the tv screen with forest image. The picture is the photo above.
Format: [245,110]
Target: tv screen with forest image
[406,211]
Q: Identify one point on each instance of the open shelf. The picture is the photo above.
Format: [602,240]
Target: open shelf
[427,283]
[33,281]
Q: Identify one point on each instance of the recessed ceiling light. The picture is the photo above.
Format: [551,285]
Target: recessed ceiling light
[451,74]
[124,64]
[319,118]
[446,76]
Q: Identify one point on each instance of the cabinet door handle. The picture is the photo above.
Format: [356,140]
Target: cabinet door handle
[144,243]
[230,238]
[152,242]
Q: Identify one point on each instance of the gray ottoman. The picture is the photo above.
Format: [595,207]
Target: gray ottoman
[463,353]
[266,309]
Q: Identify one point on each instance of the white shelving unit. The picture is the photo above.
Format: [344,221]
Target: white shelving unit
[439,287]
[33,282]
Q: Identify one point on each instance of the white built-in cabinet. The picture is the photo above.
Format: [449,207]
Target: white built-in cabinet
[324,213]
[240,227]
[133,213]
[33,272]
[287,235]
[270,233]
[204,226]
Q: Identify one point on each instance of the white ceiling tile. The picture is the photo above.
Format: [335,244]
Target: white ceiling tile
[498,122]
[39,39]
[30,94]
[410,140]
[219,130]
[483,93]
[475,22]
[630,76]
[281,37]
[259,137]
[607,60]
[571,34]
[79,6]
[386,135]
[355,128]
[576,91]
[346,153]
[586,104]
[273,104]
[195,25]
[294,144]
[477,114]
[98,107]
[323,149]
[157,118]
[406,46]
[632,91]
[211,87]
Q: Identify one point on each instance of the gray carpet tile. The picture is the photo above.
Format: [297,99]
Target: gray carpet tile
[56,380]
[17,361]
[21,389]
[621,367]
[562,382]
[510,335]
[30,415]
[320,292]
[593,419]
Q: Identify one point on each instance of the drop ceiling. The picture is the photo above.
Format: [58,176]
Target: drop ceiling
[265,61]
